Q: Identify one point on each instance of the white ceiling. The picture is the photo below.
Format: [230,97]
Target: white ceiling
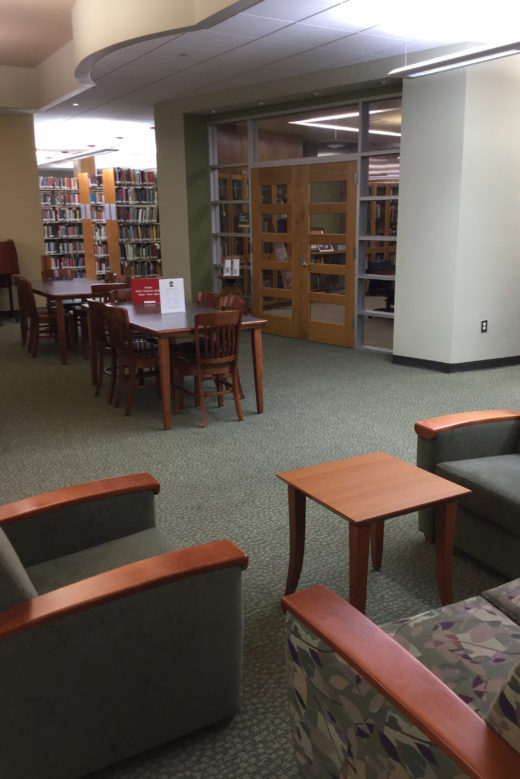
[273,39]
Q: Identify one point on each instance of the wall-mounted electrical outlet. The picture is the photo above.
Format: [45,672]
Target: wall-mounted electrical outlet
[483,326]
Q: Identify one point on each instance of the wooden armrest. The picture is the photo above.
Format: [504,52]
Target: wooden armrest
[429,428]
[78,493]
[119,583]
[407,684]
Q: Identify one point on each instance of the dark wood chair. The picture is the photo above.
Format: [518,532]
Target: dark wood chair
[231,303]
[207,299]
[109,276]
[123,279]
[217,340]
[134,357]
[121,295]
[100,347]
[101,292]
[38,322]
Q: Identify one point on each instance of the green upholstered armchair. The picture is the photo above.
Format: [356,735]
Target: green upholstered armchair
[479,450]
[110,642]
[431,696]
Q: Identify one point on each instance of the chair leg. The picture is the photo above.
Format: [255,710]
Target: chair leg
[120,380]
[113,376]
[131,390]
[240,390]
[100,368]
[236,395]
[199,394]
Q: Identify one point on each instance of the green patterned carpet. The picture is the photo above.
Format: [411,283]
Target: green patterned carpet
[321,403]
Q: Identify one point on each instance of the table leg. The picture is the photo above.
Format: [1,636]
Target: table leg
[297,538]
[93,351]
[164,368]
[62,338]
[359,544]
[445,515]
[377,534]
[256,346]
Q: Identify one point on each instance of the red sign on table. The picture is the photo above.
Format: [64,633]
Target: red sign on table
[145,291]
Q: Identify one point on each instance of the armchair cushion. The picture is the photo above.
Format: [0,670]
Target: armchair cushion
[470,646]
[15,584]
[88,562]
[504,714]
[506,597]
[493,482]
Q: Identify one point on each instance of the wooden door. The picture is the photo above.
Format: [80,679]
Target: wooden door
[304,225]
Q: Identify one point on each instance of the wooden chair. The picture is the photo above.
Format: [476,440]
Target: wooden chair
[38,322]
[231,303]
[100,347]
[101,292]
[109,276]
[120,279]
[217,340]
[133,357]
[207,299]
[121,295]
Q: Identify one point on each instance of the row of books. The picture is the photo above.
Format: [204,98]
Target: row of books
[129,176]
[64,247]
[62,231]
[135,195]
[139,232]
[58,182]
[60,198]
[139,251]
[69,261]
[100,232]
[71,214]
[142,268]
[137,214]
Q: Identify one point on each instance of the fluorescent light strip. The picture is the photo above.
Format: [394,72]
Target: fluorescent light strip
[458,60]
[466,62]
[306,123]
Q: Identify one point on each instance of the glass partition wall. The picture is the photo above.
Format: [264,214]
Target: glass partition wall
[368,132]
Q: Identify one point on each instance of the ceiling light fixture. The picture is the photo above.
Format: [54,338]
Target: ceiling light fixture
[459,59]
[74,155]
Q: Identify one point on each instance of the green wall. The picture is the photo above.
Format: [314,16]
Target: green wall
[198,193]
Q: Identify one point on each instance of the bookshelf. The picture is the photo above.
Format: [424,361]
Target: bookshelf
[132,221]
[62,223]
[92,205]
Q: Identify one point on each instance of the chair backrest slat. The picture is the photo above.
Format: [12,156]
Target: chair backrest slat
[217,336]
[207,299]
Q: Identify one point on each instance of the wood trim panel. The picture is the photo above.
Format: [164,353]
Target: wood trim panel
[407,684]
[78,493]
[429,428]
[120,583]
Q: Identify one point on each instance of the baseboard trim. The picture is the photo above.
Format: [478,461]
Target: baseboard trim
[446,367]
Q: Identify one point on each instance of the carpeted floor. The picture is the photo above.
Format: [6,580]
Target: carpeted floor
[321,403]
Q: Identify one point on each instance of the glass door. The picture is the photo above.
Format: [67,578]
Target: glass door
[304,222]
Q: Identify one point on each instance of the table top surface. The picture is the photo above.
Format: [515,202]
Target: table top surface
[372,486]
[66,288]
[149,317]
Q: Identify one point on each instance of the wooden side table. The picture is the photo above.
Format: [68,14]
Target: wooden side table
[366,491]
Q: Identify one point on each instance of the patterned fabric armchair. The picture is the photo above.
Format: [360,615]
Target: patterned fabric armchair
[110,642]
[479,450]
[435,695]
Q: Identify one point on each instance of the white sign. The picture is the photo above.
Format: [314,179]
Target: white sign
[172,296]
[231,267]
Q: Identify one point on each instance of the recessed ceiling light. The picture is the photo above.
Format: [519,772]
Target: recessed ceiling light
[75,105]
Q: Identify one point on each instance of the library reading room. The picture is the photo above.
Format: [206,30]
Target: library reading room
[260,349]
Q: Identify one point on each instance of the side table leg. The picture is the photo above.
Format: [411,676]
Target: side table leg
[297,538]
[359,544]
[445,515]
[377,534]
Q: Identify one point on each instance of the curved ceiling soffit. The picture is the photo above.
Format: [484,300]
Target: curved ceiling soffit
[112,30]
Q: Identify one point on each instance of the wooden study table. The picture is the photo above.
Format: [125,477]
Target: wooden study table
[164,327]
[367,490]
[61,290]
